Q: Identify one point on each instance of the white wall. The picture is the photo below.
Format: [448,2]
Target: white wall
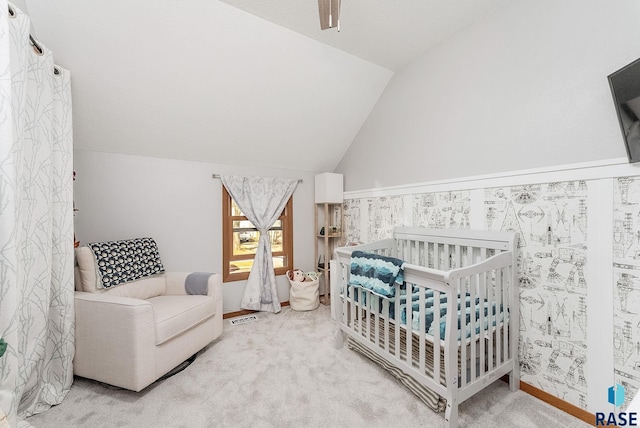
[20,4]
[178,204]
[197,79]
[524,88]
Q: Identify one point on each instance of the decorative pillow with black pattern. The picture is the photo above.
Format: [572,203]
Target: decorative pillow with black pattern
[119,262]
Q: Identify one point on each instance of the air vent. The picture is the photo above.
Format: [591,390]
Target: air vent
[243,320]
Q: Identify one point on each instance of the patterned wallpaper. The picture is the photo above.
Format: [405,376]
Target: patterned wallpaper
[383,213]
[551,219]
[626,291]
[443,210]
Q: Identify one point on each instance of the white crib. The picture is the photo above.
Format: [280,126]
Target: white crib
[441,266]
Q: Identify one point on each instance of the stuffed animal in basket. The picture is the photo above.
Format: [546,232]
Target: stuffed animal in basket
[312,276]
[296,275]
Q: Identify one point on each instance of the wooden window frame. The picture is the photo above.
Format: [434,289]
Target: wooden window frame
[286,218]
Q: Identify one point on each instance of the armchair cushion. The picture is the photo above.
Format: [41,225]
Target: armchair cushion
[145,288]
[176,314]
[87,270]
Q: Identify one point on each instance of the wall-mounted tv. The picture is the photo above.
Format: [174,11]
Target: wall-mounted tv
[625,86]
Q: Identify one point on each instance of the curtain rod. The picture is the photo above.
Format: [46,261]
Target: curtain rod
[300,180]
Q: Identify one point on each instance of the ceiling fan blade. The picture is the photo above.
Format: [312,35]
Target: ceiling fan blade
[329,13]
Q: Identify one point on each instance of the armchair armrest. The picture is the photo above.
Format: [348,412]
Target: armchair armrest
[115,339]
[175,283]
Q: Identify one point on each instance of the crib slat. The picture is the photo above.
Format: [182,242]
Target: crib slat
[436,336]
[476,329]
[494,314]
[457,259]
[359,310]
[397,325]
[447,258]
[352,301]
[422,322]
[462,333]
[498,300]
[473,284]
[385,310]
[490,363]
[494,321]
[498,304]
[483,299]
[467,257]
[367,313]
[436,255]
[406,254]
[345,304]
[505,316]
[377,319]
[490,319]
[409,324]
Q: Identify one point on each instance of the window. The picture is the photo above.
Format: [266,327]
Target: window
[240,240]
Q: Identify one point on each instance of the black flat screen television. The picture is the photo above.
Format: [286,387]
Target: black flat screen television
[625,87]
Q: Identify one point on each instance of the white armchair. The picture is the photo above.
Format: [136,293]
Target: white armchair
[132,334]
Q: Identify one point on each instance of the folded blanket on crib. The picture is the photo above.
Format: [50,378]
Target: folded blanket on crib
[375,272]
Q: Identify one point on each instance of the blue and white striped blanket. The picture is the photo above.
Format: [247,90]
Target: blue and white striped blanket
[377,273]
[493,316]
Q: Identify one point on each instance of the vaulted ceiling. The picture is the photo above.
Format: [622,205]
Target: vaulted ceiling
[389,33]
[241,82]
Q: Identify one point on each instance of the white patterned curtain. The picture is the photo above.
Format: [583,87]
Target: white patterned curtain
[36,224]
[261,200]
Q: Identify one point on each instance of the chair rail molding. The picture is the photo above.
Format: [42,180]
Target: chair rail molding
[606,168]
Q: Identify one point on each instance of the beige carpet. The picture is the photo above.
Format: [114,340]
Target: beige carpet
[282,371]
